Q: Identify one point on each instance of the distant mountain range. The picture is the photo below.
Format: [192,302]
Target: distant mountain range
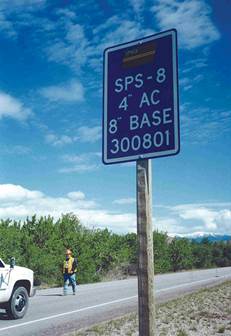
[199,236]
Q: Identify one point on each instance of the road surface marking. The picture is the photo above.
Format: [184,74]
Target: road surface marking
[189,283]
[68,313]
[105,304]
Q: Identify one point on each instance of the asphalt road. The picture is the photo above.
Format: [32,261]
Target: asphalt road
[50,313]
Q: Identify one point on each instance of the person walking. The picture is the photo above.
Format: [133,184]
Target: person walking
[69,272]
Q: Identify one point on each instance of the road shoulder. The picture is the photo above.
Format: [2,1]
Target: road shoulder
[206,312]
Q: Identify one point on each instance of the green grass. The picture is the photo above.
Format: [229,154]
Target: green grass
[221,330]
[182,333]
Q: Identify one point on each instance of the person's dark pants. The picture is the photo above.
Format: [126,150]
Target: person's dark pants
[69,278]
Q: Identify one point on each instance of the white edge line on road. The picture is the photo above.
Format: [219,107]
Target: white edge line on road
[68,313]
[106,304]
[192,283]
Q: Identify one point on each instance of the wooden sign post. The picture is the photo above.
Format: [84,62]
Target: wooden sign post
[141,122]
[145,247]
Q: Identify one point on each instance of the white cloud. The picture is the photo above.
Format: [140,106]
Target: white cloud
[7,26]
[79,168]
[76,195]
[80,163]
[16,193]
[204,125]
[190,219]
[191,18]
[15,150]
[16,4]
[82,134]
[76,49]
[71,46]
[210,217]
[67,41]
[68,92]
[11,107]
[195,64]
[167,224]
[56,140]
[137,5]
[117,30]
[186,83]
[65,12]
[205,215]
[125,201]
[89,134]
[18,203]
[23,9]
[124,222]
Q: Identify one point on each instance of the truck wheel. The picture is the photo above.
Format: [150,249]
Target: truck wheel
[18,304]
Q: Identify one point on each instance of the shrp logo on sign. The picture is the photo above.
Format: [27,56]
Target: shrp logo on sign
[142,54]
[141,99]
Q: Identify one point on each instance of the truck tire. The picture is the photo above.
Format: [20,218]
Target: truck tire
[18,304]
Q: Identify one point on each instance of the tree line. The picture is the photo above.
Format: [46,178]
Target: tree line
[40,243]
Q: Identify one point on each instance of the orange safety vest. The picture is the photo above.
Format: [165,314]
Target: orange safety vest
[68,264]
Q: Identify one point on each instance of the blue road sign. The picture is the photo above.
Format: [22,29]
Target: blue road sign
[141,109]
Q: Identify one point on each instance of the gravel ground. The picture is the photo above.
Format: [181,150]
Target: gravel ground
[204,313]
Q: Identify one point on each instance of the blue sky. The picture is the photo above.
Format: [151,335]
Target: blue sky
[51,62]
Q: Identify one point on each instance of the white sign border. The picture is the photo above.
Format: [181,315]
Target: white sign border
[174,151]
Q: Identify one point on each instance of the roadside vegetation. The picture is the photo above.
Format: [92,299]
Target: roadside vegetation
[205,313]
[39,243]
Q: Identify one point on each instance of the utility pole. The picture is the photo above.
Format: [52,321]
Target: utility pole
[145,249]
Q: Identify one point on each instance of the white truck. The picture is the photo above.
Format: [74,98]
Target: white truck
[16,286]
